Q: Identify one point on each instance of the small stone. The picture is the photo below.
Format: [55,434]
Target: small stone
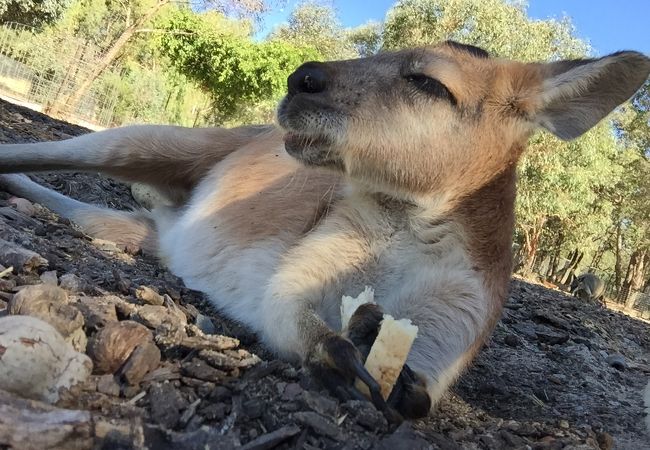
[36,362]
[49,277]
[320,424]
[98,311]
[144,359]
[366,415]
[50,303]
[214,411]
[512,340]
[197,368]
[291,391]
[154,316]
[564,424]
[106,384]
[71,282]
[403,438]
[166,404]
[272,439]
[552,337]
[253,408]
[319,403]
[21,259]
[617,361]
[149,296]
[23,205]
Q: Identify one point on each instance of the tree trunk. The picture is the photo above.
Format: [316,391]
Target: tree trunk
[69,103]
[617,252]
[562,276]
[634,278]
[531,243]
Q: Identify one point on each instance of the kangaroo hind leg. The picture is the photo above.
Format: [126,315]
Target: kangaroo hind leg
[129,230]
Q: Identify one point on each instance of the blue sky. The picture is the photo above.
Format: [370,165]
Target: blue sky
[609,25]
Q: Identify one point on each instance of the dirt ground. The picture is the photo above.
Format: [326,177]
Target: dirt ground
[558,373]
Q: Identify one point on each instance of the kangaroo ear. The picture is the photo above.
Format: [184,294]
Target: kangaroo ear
[577,94]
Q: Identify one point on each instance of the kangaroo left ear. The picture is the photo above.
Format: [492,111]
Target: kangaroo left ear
[577,94]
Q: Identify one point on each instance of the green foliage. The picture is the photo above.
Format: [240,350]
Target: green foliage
[501,27]
[366,39]
[314,25]
[234,70]
[32,12]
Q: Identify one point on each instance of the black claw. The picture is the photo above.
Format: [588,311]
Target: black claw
[409,396]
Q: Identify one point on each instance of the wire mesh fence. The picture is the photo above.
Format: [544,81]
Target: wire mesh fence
[45,72]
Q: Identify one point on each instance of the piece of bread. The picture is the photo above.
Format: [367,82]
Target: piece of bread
[388,354]
[350,304]
[391,348]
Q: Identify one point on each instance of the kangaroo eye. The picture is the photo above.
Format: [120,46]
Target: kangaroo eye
[430,86]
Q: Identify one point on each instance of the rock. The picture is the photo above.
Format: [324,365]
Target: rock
[50,278]
[512,340]
[272,439]
[549,318]
[36,361]
[214,411]
[320,424]
[403,438]
[106,384]
[98,311]
[23,206]
[229,359]
[154,316]
[366,415]
[166,404]
[71,282]
[50,303]
[253,408]
[197,368]
[21,259]
[149,296]
[526,328]
[291,391]
[551,337]
[144,359]
[111,347]
[319,403]
[617,361]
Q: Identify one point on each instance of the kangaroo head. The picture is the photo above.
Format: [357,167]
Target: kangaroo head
[446,119]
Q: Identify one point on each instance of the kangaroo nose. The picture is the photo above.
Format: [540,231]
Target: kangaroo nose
[310,78]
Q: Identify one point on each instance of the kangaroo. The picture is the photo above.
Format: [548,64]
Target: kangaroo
[395,171]
[588,286]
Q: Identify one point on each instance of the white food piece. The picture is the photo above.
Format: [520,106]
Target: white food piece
[35,360]
[350,304]
[389,352]
[391,348]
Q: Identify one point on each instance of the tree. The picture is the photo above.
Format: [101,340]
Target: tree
[501,27]
[235,70]
[146,11]
[366,39]
[32,12]
[316,26]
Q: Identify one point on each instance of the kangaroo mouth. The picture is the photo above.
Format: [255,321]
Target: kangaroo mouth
[309,131]
[312,150]
[295,142]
